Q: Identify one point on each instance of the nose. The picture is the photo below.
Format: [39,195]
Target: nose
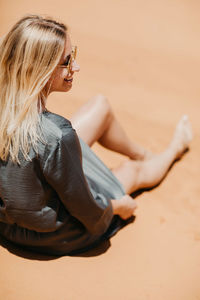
[75,66]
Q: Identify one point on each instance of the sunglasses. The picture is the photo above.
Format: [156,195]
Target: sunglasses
[70,59]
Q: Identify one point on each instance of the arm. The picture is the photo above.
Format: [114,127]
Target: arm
[63,171]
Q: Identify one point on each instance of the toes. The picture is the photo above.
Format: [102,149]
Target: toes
[184,123]
[185,118]
[183,133]
[188,128]
[189,133]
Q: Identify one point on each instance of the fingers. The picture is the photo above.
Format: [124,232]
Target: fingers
[128,207]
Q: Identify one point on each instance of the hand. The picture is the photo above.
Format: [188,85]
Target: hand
[124,207]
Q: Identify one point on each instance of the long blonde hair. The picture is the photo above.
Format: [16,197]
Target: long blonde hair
[29,53]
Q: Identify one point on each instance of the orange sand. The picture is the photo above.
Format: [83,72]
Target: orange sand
[145,57]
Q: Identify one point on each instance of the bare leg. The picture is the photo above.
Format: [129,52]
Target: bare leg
[135,175]
[95,121]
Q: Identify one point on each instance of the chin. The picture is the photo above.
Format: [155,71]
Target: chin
[64,89]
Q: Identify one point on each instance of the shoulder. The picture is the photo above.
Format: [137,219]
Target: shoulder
[58,134]
[55,126]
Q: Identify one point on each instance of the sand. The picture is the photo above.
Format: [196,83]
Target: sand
[145,57]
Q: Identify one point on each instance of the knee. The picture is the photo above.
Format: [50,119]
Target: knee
[103,105]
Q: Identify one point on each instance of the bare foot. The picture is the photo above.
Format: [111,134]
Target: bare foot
[182,136]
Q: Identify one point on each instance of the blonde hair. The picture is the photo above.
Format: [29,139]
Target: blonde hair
[29,53]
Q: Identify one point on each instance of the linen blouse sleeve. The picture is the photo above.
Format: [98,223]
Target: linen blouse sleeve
[63,171]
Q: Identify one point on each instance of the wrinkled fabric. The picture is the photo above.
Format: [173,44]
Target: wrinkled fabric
[56,203]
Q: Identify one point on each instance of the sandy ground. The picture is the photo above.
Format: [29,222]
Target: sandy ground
[145,57]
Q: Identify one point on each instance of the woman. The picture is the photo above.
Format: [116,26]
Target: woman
[56,195]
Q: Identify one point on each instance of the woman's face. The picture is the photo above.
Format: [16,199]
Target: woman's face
[61,79]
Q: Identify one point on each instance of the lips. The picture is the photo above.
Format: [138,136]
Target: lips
[68,79]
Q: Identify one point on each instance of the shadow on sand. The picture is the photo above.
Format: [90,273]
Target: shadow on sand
[96,249]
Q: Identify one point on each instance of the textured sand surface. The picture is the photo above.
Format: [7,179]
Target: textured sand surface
[145,57]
